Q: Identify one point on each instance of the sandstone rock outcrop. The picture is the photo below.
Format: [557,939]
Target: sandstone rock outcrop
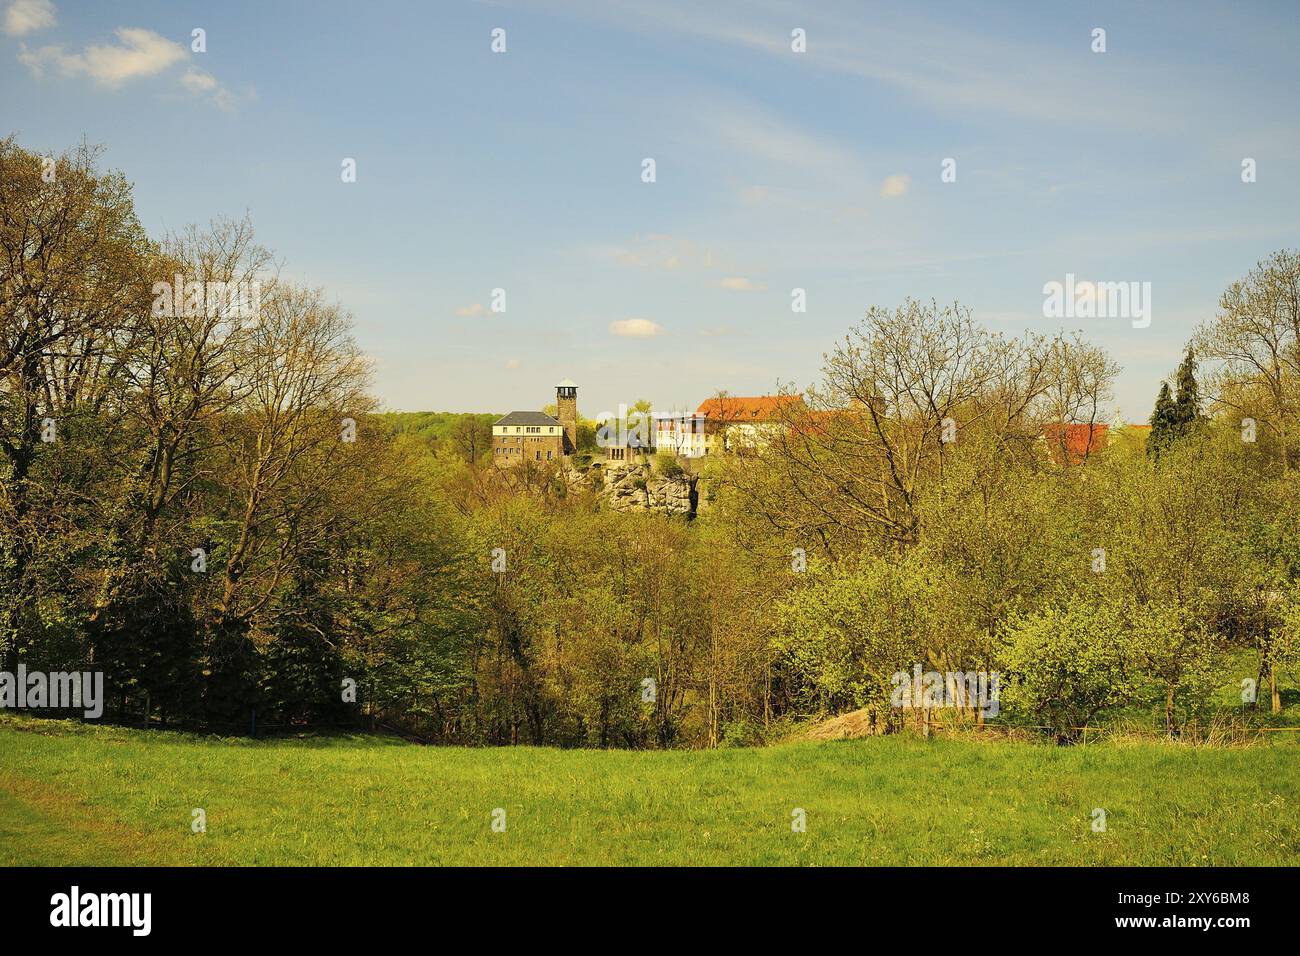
[636,487]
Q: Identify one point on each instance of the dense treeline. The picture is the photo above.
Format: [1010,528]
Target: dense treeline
[203,503]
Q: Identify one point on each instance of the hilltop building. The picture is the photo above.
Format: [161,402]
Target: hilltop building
[681,434]
[723,423]
[536,436]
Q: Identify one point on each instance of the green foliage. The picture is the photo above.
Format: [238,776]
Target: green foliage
[1177,655]
[302,672]
[1114,582]
[587,438]
[1065,667]
[666,465]
[467,436]
[433,427]
[848,628]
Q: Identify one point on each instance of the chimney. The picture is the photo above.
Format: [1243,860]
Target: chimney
[566,410]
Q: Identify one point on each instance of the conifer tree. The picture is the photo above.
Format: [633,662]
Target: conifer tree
[1187,406]
[1163,421]
[1177,413]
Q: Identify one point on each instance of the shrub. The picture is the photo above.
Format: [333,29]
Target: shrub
[1064,667]
[666,465]
[849,628]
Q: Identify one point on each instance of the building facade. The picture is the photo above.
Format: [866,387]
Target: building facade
[722,424]
[536,436]
[734,422]
[681,435]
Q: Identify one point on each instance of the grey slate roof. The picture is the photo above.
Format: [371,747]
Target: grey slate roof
[526,418]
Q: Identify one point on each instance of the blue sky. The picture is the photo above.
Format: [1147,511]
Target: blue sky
[522,170]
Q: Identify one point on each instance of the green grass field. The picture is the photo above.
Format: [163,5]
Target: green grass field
[73,794]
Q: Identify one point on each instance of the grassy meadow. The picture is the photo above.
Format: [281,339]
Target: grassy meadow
[79,794]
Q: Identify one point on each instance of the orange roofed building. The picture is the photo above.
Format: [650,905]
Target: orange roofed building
[723,423]
[1072,444]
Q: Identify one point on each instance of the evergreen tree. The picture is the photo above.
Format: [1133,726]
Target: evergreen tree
[1176,414]
[1163,421]
[1187,406]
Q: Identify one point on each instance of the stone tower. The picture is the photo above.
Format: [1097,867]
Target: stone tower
[566,410]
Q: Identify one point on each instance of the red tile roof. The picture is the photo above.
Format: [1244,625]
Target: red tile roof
[734,408]
[1075,442]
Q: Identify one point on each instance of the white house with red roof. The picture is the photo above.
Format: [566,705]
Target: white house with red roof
[722,423]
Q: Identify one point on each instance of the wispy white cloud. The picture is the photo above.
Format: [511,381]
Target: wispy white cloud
[781,143]
[660,252]
[470,311]
[26,16]
[635,328]
[895,186]
[948,69]
[205,84]
[741,284]
[138,54]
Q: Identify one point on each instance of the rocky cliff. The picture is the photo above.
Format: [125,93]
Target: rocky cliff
[636,487]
